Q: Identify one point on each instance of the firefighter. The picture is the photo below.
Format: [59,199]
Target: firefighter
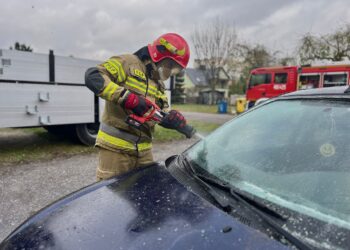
[125,81]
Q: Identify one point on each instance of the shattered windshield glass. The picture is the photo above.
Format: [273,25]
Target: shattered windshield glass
[294,153]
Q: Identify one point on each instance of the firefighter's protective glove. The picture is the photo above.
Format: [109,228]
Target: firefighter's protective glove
[173,120]
[136,103]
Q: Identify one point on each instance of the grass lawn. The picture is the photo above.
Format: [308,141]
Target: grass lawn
[35,144]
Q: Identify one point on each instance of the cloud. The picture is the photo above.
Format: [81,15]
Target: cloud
[99,29]
[283,29]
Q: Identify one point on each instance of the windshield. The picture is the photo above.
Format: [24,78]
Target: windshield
[257,79]
[294,153]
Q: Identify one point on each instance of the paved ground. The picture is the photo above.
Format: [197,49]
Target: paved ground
[206,117]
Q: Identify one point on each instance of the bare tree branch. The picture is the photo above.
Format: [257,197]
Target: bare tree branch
[214,45]
[333,47]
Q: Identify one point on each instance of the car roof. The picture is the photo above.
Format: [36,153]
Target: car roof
[321,91]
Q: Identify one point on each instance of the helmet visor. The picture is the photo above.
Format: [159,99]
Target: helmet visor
[167,68]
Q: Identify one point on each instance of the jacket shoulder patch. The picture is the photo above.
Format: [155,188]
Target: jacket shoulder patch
[139,74]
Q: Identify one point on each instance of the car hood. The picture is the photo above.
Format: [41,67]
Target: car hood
[146,209]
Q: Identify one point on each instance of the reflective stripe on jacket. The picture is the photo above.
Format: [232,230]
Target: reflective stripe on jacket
[120,73]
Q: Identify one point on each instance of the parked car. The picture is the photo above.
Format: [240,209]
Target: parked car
[275,177]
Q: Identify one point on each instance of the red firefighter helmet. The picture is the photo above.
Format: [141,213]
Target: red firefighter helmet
[171,46]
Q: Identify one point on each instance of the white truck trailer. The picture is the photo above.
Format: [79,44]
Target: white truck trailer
[45,90]
[48,91]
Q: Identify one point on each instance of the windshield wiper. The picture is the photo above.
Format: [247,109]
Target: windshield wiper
[239,196]
[257,207]
[234,192]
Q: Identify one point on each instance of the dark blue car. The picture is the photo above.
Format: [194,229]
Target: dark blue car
[276,177]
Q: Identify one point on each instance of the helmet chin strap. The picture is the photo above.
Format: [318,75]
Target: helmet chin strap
[151,68]
[152,71]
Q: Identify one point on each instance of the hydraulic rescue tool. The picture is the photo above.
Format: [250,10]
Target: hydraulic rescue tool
[156,115]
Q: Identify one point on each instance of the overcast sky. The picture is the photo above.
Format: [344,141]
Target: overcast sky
[97,29]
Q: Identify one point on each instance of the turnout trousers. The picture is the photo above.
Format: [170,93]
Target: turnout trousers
[114,163]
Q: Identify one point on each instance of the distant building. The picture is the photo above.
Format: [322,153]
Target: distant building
[198,87]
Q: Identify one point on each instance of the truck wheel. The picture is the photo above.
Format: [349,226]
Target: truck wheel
[87,133]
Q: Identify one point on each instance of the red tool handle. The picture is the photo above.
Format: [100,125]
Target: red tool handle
[137,121]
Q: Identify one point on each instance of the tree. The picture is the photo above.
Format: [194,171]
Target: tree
[334,46]
[214,46]
[21,47]
[238,87]
[178,95]
[286,61]
[256,56]
[248,57]
[252,57]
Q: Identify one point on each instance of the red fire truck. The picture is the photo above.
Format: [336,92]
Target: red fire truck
[271,82]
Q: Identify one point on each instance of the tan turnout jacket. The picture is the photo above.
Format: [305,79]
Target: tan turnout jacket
[120,73]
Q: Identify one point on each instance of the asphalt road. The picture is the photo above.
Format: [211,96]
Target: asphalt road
[206,117]
[26,188]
